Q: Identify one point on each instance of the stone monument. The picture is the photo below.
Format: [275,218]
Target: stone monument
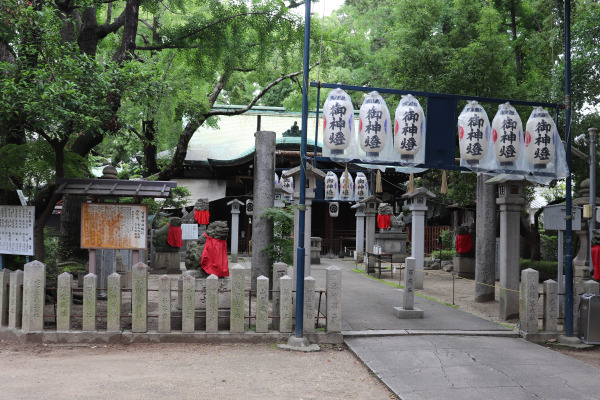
[197,262]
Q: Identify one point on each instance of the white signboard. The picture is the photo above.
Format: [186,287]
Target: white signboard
[114,226]
[554,218]
[189,231]
[16,230]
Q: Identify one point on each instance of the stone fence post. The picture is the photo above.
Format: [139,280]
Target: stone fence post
[550,323]
[139,298]
[334,299]
[64,298]
[238,279]
[309,304]
[4,291]
[529,300]
[34,296]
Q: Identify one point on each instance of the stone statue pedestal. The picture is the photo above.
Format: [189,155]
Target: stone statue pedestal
[168,262]
[464,267]
[392,242]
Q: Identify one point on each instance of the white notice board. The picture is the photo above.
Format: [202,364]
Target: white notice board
[16,230]
[113,226]
[189,231]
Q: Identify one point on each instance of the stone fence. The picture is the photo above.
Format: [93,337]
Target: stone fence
[544,307]
[26,307]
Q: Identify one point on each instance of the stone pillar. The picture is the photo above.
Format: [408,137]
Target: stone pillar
[235,227]
[4,291]
[418,242]
[510,209]
[212,304]
[285,307]
[262,228]
[408,310]
[334,299]
[550,306]
[529,300]
[15,300]
[113,303]
[238,285]
[188,309]
[164,304]
[360,231]
[485,245]
[279,270]
[34,296]
[63,302]
[370,222]
[262,304]
[309,304]
[139,298]
[90,294]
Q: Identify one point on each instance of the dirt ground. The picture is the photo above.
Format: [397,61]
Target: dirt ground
[183,371]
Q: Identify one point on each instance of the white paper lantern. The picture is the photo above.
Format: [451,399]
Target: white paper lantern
[539,139]
[331,186]
[338,117]
[287,183]
[409,127]
[276,179]
[507,133]
[473,133]
[346,193]
[374,125]
[334,209]
[361,187]
[249,207]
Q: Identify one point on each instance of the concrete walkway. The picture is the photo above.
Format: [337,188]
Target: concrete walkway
[449,354]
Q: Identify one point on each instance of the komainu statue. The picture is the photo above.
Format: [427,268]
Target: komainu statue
[209,255]
[165,238]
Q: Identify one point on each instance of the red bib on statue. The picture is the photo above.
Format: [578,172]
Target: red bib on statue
[214,257]
[464,243]
[174,236]
[202,217]
[596,261]
[383,221]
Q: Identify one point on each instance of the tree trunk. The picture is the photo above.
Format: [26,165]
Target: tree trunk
[70,230]
[149,132]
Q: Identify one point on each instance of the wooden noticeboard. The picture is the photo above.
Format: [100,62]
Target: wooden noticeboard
[114,226]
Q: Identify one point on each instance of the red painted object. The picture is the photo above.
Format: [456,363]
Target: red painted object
[214,257]
[174,236]
[202,217]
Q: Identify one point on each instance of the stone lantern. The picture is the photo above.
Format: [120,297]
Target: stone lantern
[281,194]
[510,199]
[360,230]
[417,204]
[235,227]
[311,174]
[371,204]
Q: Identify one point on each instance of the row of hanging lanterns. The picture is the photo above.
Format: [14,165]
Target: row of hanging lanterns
[502,146]
[345,188]
[379,138]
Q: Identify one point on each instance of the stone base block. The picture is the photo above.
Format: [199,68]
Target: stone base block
[169,261]
[581,272]
[401,313]
[200,320]
[464,267]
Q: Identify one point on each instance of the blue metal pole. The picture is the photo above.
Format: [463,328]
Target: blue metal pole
[568,257]
[302,183]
